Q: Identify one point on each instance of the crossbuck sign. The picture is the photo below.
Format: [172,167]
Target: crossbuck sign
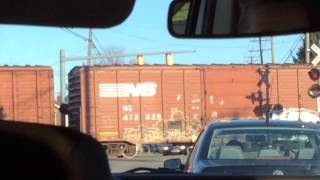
[315,62]
[316,49]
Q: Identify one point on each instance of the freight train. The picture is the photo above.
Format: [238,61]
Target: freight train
[124,106]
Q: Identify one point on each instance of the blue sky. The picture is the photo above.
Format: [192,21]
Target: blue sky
[144,31]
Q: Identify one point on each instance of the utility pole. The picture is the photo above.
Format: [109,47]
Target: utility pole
[260,49]
[251,59]
[62,83]
[89,62]
[272,50]
[307,48]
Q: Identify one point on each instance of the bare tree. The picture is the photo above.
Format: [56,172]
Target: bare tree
[112,51]
[131,61]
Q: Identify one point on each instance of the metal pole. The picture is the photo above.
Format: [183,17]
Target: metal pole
[260,49]
[81,58]
[266,74]
[272,51]
[307,47]
[89,47]
[62,74]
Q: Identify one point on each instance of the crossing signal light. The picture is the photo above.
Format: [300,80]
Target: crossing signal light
[314,74]
[314,91]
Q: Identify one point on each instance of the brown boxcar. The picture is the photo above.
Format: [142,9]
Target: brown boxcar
[243,91]
[26,94]
[126,105]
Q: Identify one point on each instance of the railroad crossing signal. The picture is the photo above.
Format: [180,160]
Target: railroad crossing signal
[314,74]
[314,91]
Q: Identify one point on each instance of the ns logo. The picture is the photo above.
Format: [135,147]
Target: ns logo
[146,89]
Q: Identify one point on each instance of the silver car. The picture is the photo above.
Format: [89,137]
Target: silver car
[255,148]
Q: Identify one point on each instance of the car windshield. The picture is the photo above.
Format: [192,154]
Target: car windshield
[146,96]
[264,144]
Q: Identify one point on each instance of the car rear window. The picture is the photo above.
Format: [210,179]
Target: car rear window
[263,144]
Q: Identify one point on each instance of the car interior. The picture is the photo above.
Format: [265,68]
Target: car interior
[255,146]
[58,153]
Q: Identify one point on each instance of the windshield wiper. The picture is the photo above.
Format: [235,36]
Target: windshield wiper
[152,170]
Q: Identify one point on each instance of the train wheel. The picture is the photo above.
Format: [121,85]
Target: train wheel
[114,150]
[130,152]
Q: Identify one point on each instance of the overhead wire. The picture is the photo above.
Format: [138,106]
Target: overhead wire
[98,42]
[95,47]
[76,52]
[75,34]
[175,44]
[292,49]
[83,38]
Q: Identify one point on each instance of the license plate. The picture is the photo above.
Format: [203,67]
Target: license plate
[175,150]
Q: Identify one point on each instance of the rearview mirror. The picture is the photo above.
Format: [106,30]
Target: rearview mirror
[241,18]
[172,164]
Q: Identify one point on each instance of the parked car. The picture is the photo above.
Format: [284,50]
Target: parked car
[255,147]
[155,148]
[175,149]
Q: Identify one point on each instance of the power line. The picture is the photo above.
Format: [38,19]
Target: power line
[98,42]
[261,49]
[81,37]
[289,51]
[94,46]
[78,51]
[75,34]
[292,49]
[174,44]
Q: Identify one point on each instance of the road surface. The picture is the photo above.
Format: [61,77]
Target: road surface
[119,165]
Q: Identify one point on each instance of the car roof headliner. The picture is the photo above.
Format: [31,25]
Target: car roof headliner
[66,13]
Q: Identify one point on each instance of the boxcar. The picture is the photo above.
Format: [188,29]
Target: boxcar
[26,94]
[123,106]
